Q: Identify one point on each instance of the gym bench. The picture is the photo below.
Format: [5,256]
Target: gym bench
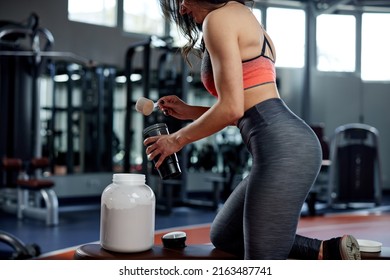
[30,189]
[94,251]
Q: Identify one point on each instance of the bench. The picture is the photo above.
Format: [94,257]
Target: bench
[30,188]
[94,251]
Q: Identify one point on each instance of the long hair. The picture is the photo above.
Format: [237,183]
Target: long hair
[187,26]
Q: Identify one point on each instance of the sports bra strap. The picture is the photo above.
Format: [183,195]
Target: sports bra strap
[265,44]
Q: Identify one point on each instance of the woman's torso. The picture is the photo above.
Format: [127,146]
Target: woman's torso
[257,55]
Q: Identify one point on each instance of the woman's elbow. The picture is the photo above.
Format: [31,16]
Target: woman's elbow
[235,114]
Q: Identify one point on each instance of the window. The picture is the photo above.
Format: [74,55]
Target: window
[336,43]
[257,13]
[178,38]
[144,17]
[375,47]
[287,30]
[101,12]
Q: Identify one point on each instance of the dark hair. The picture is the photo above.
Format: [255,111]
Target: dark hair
[187,26]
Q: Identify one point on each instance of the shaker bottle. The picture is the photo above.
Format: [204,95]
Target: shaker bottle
[170,167]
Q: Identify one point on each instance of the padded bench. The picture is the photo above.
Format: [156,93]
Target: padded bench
[28,184]
[94,251]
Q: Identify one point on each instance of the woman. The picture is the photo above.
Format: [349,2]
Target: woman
[259,219]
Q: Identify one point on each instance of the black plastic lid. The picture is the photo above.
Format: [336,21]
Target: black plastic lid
[157,126]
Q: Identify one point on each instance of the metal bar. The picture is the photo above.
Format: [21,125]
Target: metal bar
[146,89]
[128,117]
[133,48]
[69,121]
[50,54]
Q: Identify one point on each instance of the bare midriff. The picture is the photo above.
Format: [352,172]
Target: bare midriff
[259,94]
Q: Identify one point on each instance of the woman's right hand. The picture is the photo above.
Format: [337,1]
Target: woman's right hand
[173,106]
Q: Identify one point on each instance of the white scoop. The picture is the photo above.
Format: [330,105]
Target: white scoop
[145,106]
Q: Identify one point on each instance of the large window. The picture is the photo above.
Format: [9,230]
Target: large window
[375,47]
[100,12]
[336,41]
[287,30]
[143,17]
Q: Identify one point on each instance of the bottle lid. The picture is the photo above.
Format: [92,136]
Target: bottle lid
[160,127]
[128,177]
[175,239]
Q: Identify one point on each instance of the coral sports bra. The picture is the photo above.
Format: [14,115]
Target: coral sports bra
[256,71]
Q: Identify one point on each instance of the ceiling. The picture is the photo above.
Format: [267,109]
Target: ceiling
[330,6]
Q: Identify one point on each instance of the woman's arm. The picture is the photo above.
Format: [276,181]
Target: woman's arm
[221,40]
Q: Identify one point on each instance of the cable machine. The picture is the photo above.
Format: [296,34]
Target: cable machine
[20,66]
[169,78]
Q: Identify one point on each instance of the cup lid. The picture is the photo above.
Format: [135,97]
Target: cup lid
[154,127]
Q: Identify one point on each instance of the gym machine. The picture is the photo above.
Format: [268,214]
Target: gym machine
[170,77]
[19,250]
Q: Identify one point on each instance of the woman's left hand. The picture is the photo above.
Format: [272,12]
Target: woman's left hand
[161,147]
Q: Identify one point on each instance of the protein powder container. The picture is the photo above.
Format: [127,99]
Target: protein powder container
[127,219]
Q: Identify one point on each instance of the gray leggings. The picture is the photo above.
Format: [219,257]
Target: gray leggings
[259,219]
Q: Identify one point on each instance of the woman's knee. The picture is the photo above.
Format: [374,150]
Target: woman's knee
[215,236]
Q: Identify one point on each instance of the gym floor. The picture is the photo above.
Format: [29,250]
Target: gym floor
[81,224]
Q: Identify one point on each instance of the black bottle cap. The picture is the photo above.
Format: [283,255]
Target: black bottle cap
[175,239]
